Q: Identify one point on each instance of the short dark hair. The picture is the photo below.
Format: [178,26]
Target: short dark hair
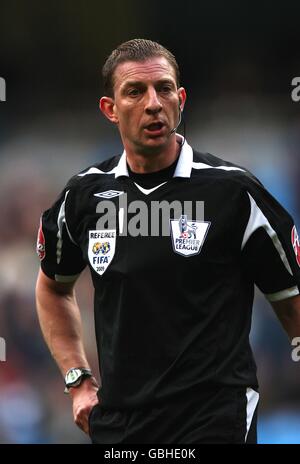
[134,50]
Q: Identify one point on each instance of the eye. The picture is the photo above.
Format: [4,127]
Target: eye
[166,88]
[133,92]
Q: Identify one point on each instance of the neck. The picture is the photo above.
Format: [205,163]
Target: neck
[151,162]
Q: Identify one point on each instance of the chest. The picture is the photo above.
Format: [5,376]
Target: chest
[178,225]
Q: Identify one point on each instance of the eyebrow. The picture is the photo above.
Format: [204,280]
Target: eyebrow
[139,83]
[131,83]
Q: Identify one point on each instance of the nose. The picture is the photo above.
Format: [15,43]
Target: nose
[153,104]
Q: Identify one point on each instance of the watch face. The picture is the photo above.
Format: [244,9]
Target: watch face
[72,376]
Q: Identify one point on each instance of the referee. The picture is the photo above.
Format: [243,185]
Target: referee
[173,288]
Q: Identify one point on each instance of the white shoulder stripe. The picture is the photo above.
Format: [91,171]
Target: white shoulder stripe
[196,165]
[252,400]
[94,170]
[256,220]
[61,220]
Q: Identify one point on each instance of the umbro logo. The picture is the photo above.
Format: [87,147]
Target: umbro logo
[109,194]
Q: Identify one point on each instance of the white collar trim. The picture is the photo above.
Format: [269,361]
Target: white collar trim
[121,168]
[183,168]
[185,160]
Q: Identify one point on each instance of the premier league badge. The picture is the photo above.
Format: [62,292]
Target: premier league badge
[102,245]
[188,236]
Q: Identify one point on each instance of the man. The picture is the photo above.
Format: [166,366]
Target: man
[172,310]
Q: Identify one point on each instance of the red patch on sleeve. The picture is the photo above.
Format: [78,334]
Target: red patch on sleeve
[296,244]
[40,244]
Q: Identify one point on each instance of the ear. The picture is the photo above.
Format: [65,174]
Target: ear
[182,97]
[107,106]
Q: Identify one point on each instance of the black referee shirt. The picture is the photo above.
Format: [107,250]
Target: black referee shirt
[172,311]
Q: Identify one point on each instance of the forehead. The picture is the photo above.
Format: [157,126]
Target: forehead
[152,69]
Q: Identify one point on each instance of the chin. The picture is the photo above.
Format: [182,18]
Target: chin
[155,145]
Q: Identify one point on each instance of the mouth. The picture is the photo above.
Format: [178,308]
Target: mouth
[155,128]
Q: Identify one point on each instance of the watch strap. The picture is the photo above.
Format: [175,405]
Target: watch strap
[84,373]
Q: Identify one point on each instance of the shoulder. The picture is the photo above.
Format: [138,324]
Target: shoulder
[94,172]
[237,184]
[216,168]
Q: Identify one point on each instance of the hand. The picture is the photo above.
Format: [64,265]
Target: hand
[84,399]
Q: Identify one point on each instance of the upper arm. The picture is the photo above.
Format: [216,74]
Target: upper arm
[288,312]
[270,252]
[61,257]
[44,283]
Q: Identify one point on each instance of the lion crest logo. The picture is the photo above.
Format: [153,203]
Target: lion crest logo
[188,236]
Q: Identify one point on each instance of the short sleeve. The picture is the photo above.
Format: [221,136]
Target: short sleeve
[61,258]
[270,245]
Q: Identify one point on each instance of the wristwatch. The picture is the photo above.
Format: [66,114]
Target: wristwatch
[75,376]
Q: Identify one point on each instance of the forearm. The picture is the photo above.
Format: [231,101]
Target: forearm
[61,326]
[60,322]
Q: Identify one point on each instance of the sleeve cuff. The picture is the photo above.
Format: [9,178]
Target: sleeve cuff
[283,294]
[66,278]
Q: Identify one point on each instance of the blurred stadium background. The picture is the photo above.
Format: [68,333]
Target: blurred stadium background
[237,61]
